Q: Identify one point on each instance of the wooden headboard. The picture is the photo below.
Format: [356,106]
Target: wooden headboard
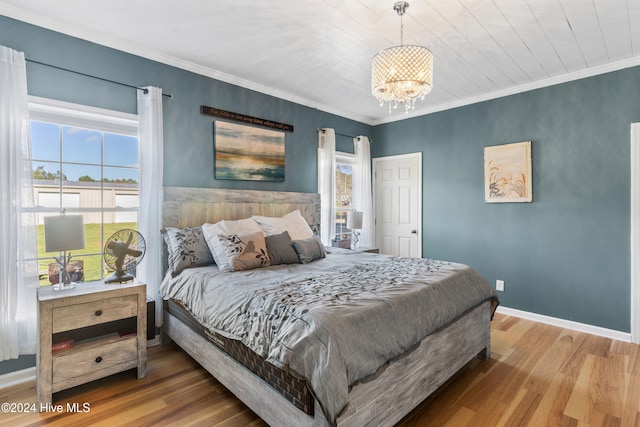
[191,207]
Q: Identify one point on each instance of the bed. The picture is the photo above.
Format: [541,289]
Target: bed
[291,378]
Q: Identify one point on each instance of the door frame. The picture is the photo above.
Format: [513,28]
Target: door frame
[635,233]
[417,155]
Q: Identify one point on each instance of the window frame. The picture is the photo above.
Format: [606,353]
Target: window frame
[85,117]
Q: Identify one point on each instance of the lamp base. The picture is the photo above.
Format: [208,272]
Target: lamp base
[64,286]
[64,279]
[355,239]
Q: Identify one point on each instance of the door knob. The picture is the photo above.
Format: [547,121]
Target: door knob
[414,231]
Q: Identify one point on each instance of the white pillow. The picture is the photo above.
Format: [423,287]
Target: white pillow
[293,222]
[226,228]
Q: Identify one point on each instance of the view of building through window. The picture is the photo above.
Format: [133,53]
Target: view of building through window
[90,172]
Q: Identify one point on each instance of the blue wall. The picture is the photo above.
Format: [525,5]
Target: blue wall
[565,255]
[188,136]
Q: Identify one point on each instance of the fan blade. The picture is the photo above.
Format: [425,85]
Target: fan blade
[112,246]
[133,252]
[117,247]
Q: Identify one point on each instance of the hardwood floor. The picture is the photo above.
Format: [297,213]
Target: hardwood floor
[538,375]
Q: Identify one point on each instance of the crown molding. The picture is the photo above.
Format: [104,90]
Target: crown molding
[564,78]
[127,46]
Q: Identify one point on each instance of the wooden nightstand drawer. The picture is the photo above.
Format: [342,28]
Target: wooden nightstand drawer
[93,313]
[94,360]
[103,328]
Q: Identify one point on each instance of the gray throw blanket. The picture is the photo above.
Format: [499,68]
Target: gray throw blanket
[337,322]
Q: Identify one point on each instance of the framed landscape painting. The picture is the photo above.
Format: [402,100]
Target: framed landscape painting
[248,153]
[507,173]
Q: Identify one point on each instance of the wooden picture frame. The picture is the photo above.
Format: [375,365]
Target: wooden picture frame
[507,173]
[248,153]
[75,270]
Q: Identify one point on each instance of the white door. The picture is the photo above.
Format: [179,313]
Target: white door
[635,233]
[398,204]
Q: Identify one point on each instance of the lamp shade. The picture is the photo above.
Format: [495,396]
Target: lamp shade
[354,220]
[63,233]
[402,74]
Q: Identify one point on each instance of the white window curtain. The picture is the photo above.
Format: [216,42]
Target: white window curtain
[327,183]
[361,187]
[150,137]
[18,247]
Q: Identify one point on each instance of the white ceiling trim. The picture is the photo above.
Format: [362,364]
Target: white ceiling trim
[577,75]
[91,35]
[102,39]
[244,83]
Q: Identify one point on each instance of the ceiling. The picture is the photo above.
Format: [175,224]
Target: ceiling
[318,52]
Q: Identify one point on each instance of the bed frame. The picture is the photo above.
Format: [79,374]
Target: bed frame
[383,401]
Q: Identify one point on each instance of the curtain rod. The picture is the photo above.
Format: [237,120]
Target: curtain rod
[342,134]
[94,77]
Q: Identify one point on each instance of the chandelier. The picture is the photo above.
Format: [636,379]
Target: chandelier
[402,74]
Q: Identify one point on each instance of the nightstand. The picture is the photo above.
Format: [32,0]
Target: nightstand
[366,249]
[82,325]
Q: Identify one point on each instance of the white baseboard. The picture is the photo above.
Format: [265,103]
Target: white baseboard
[154,342]
[567,324]
[17,377]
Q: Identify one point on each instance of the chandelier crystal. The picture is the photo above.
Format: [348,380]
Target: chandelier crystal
[402,74]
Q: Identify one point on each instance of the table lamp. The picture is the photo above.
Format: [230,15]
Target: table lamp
[354,222]
[61,234]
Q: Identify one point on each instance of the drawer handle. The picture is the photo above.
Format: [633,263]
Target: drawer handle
[98,312]
[98,359]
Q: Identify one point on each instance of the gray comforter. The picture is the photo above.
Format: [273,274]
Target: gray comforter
[336,320]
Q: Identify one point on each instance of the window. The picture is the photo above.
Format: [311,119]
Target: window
[84,161]
[344,193]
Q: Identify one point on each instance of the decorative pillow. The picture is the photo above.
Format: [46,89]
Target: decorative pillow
[226,228]
[293,222]
[309,249]
[280,250]
[187,248]
[245,251]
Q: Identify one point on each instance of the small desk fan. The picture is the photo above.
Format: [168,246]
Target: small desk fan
[122,252]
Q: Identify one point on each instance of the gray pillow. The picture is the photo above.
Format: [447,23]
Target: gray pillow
[309,249]
[186,248]
[280,250]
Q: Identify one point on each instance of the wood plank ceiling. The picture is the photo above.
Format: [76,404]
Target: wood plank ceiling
[318,52]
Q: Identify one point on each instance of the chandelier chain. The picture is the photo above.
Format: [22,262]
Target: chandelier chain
[400,8]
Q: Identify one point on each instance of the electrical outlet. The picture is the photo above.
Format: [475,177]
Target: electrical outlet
[499,285]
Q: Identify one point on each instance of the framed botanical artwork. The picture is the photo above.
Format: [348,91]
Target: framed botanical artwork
[248,153]
[507,173]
